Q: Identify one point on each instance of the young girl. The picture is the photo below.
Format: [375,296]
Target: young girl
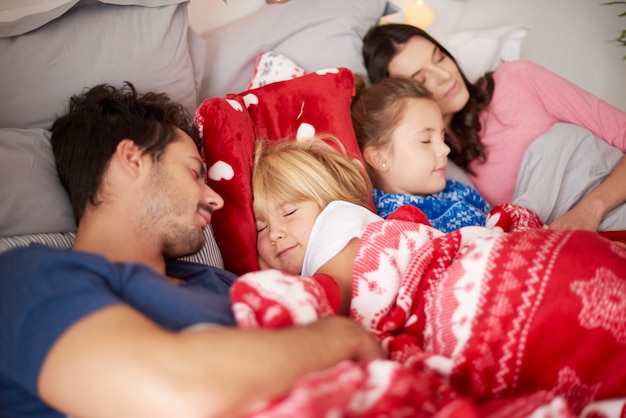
[499,315]
[400,132]
[490,124]
[311,204]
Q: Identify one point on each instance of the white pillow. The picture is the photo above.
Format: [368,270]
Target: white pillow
[316,34]
[480,51]
[271,67]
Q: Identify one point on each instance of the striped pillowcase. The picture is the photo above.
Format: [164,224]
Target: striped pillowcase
[209,254]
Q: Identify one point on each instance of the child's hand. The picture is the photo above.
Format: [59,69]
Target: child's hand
[273,299]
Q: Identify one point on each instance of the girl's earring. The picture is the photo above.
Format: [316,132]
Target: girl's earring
[383,166]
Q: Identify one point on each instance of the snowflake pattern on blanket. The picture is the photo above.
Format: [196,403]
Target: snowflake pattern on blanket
[506,320]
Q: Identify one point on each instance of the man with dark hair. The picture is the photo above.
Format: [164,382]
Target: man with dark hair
[116,326]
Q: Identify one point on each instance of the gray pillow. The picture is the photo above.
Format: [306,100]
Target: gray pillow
[562,166]
[33,199]
[24,16]
[317,34]
[94,43]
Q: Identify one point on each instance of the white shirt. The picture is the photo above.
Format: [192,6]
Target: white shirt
[335,226]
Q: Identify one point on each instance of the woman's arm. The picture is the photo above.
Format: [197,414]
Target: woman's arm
[588,213]
[115,362]
[559,100]
[570,103]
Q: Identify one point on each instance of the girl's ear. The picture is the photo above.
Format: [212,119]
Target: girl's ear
[375,157]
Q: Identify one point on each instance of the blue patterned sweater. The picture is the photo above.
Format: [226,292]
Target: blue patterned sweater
[457,205]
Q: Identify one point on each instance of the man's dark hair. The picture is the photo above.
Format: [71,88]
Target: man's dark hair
[85,139]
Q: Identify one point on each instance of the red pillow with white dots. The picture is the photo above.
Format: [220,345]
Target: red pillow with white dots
[315,103]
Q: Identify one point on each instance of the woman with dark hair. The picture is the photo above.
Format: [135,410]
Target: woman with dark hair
[490,123]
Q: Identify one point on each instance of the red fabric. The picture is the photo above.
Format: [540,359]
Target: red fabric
[509,324]
[331,289]
[273,299]
[315,103]
[617,236]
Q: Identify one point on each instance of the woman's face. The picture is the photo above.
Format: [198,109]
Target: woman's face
[422,61]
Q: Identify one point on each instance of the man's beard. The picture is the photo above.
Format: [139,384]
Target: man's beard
[180,241]
[164,210]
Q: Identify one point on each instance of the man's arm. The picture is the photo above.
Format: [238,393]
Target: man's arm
[115,362]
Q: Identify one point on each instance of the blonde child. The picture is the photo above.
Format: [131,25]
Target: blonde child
[400,131]
[311,204]
[472,305]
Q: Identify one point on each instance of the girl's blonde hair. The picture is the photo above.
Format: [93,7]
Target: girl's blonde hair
[294,171]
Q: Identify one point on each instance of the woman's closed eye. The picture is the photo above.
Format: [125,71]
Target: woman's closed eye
[420,78]
[439,56]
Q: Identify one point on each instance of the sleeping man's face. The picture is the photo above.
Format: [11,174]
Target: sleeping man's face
[178,203]
[283,233]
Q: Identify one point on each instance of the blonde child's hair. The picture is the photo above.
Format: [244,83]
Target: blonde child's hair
[294,171]
[376,110]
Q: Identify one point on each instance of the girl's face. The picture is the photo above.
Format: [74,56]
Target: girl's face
[417,158]
[283,235]
[421,60]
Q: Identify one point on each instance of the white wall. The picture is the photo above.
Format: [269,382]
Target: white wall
[574,38]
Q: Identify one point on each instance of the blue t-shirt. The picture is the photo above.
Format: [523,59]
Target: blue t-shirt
[43,291]
[457,205]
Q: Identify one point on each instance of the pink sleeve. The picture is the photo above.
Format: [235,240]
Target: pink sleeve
[567,102]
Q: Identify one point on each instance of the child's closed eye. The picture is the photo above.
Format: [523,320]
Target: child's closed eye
[260,227]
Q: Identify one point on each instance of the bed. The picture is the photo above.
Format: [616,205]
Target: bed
[287,83]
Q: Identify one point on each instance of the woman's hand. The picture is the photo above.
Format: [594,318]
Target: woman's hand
[579,217]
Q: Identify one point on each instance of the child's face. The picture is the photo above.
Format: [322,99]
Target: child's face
[283,235]
[418,157]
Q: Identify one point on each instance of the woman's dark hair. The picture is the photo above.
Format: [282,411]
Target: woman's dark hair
[85,139]
[381,43]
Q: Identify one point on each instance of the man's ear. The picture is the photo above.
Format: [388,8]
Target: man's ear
[129,156]
[375,157]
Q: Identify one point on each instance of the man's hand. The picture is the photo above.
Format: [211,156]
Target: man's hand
[345,334]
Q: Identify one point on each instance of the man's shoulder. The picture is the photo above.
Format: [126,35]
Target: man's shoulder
[37,259]
[190,271]
[32,252]
[38,251]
